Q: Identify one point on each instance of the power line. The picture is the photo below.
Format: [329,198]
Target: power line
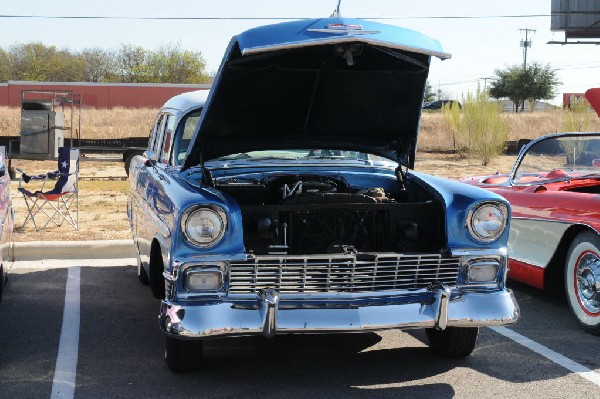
[574,68]
[177,18]
[458,83]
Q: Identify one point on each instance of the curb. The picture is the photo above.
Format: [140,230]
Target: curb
[101,249]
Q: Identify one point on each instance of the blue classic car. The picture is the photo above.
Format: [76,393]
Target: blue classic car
[283,201]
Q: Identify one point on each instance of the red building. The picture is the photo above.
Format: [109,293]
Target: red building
[570,97]
[102,95]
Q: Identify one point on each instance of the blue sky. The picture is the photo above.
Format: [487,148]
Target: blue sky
[478,45]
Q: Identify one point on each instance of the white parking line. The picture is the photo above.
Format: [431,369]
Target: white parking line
[549,354]
[65,371]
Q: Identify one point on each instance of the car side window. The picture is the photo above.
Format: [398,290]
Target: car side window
[184,134]
[153,131]
[156,132]
[165,151]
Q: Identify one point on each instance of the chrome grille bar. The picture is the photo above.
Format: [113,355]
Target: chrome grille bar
[341,273]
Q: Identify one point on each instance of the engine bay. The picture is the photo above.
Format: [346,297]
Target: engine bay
[293,214]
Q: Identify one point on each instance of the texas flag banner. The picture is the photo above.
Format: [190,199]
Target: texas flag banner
[68,166]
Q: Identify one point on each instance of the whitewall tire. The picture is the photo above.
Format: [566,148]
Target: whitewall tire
[582,280]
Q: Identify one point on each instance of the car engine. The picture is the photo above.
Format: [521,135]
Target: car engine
[312,214]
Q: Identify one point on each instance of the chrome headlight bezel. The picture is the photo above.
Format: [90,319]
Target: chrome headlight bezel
[486,258]
[476,229]
[195,212]
[193,272]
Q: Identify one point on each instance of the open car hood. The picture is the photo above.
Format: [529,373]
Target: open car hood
[333,83]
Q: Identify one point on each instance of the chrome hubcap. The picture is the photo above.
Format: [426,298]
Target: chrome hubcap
[588,283]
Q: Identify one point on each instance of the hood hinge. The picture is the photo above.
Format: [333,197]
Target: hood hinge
[206,175]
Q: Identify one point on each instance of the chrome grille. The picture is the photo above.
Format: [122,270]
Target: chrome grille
[341,273]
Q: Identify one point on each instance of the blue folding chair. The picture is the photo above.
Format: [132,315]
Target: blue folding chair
[55,205]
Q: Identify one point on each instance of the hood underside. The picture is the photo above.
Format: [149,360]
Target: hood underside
[359,88]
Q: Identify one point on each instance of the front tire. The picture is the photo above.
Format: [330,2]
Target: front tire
[155,274]
[582,279]
[453,342]
[183,355]
[141,272]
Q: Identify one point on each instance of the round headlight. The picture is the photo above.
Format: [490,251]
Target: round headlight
[204,226]
[487,221]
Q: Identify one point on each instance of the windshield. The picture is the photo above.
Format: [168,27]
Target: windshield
[185,132]
[562,158]
[301,155]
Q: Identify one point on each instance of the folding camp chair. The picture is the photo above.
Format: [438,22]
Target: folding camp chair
[56,205]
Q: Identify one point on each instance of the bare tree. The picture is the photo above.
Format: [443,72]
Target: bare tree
[131,63]
[36,61]
[5,68]
[171,64]
[99,64]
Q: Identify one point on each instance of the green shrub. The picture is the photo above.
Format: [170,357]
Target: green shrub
[479,129]
[452,118]
[578,117]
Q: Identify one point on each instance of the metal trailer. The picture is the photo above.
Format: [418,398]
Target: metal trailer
[44,117]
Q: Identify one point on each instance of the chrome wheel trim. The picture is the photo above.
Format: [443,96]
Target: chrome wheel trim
[587,283]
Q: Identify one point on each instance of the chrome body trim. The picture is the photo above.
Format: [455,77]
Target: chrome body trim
[343,39]
[215,208]
[267,316]
[534,241]
[269,305]
[442,299]
[348,292]
[342,273]
[480,253]
[587,285]
[498,205]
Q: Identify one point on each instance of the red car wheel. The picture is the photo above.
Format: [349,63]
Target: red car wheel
[582,280]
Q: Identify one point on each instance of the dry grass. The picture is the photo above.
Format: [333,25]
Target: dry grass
[435,136]
[95,123]
[102,215]
[100,123]
[103,203]
[10,120]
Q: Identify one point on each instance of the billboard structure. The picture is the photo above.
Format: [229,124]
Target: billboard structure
[579,19]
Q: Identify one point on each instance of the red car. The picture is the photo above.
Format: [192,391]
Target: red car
[554,239]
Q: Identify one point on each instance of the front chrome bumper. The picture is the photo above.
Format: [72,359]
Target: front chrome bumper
[271,314]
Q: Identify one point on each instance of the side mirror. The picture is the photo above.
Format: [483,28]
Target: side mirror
[2,169]
[151,158]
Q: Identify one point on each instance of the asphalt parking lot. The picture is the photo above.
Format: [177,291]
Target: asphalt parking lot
[111,347]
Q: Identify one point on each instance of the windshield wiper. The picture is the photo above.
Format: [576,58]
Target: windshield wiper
[328,157]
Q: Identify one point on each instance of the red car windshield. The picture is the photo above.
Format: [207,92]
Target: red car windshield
[559,158]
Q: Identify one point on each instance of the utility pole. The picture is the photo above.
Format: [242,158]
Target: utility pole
[485,79]
[526,44]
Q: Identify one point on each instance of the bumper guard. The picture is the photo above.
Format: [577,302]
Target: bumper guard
[269,314]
